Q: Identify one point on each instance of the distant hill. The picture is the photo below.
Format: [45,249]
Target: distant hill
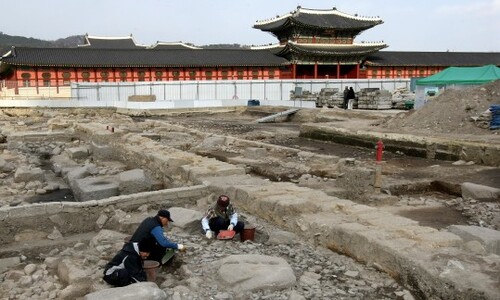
[7,41]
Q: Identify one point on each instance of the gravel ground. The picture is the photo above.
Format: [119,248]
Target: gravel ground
[321,273]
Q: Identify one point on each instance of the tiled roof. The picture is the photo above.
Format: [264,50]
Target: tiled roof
[172,46]
[89,57]
[326,19]
[399,58]
[110,42]
[328,53]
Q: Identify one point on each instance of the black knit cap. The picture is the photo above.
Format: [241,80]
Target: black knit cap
[165,213]
[146,245]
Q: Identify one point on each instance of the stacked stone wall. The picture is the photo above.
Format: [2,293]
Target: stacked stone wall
[373,98]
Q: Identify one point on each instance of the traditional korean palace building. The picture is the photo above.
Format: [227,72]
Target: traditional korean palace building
[312,44]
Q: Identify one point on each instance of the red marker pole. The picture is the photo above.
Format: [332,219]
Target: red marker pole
[380,150]
[378,168]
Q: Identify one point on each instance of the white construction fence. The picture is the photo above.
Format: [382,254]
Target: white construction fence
[182,94]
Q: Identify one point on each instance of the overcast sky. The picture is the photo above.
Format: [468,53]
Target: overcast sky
[423,25]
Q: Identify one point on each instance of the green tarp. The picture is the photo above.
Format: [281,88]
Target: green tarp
[462,75]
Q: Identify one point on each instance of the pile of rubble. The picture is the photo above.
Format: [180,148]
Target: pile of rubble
[458,111]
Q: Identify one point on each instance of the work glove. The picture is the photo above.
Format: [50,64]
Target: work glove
[181,247]
[230,227]
[209,234]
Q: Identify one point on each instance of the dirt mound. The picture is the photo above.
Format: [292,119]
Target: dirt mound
[451,112]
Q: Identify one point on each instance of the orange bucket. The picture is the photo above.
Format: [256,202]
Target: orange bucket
[151,268]
[248,233]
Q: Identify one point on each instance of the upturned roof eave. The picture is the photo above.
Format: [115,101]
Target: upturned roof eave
[358,49]
[353,28]
[295,15]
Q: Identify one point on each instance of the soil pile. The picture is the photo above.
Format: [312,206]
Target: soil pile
[451,112]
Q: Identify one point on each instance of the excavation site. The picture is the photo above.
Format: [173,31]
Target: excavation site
[345,204]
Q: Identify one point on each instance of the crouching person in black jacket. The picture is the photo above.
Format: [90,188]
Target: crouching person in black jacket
[126,267]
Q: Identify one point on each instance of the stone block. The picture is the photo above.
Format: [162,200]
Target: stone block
[73,174]
[255,272]
[133,181]
[104,152]
[480,192]
[185,218]
[255,153]
[71,273]
[95,188]
[439,239]
[25,174]
[78,152]
[488,237]
[8,262]
[61,162]
[141,290]
[385,220]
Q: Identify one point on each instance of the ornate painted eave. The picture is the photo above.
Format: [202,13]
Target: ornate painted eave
[319,19]
[330,49]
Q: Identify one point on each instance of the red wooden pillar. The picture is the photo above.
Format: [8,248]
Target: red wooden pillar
[316,70]
[294,71]
[36,80]
[338,69]
[357,71]
[16,80]
[57,81]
